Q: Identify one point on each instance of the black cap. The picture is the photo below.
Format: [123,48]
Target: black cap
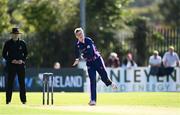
[15,31]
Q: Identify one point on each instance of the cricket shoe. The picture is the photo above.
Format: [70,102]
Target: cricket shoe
[24,102]
[114,86]
[92,103]
[7,102]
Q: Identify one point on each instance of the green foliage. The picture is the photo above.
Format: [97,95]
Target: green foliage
[142,3]
[140,40]
[170,10]
[52,21]
[158,37]
[48,27]
[105,13]
[4,17]
[4,21]
[104,18]
[48,15]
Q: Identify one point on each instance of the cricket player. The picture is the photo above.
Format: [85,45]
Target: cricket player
[85,47]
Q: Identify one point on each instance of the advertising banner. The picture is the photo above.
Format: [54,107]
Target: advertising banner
[67,80]
[138,80]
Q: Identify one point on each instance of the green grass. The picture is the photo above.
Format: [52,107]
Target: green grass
[34,102]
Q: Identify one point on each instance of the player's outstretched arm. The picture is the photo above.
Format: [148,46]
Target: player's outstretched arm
[76,62]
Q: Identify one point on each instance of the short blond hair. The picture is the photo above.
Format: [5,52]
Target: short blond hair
[171,47]
[77,30]
[155,52]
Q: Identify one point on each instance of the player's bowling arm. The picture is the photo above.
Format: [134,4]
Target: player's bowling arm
[76,62]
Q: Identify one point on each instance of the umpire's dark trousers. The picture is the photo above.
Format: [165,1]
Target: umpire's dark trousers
[13,70]
[93,66]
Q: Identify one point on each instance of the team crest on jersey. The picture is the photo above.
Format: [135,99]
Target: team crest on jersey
[101,67]
[20,47]
[88,46]
[88,67]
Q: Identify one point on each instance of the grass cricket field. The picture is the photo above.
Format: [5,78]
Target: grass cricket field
[139,103]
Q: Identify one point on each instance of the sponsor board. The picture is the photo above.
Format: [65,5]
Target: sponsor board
[67,80]
[138,80]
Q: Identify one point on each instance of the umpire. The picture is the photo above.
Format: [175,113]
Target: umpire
[15,53]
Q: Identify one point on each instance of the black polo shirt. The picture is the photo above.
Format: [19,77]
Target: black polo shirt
[14,50]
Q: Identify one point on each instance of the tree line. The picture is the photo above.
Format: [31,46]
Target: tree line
[48,27]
